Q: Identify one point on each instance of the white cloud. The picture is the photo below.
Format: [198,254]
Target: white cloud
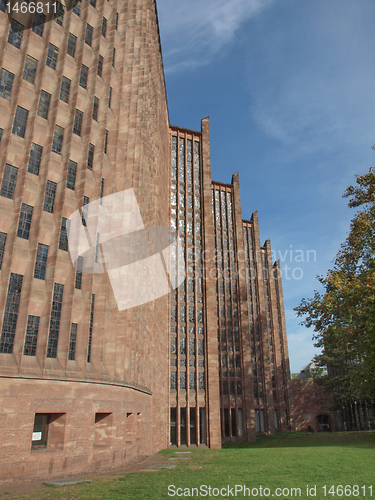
[193,31]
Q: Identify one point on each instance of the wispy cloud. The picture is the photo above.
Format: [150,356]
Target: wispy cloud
[193,32]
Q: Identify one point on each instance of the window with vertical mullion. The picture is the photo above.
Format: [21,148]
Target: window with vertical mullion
[71,47]
[24,223]
[49,197]
[44,103]
[84,76]
[77,127]
[15,33]
[29,71]
[31,338]
[6,83]
[41,262]
[58,137]
[90,156]
[52,54]
[72,173]
[65,89]
[20,122]
[89,34]
[95,109]
[8,184]
[3,239]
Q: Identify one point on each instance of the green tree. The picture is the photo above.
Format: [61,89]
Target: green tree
[343,317]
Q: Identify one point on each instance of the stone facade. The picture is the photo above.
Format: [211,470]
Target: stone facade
[85,385]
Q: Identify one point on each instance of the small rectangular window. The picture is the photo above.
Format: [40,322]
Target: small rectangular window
[78,281]
[29,71]
[8,184]
[31,338]
[52,54]
[59,15]
[72,342]
[88,34]
[44,103]
[113,56]
[77,4]
[15,33]
[65,89]
[63,240]
[84,76]
[3,239]
[90,156]
[49,197]
[77,127]
[58,137]
[72,173]
[41,262]
[49,430]
[104,27]
[110,97]
[6,83]
[71,47]
[95,109]
[100,65]
[24,223]
[39,20]
[20,122]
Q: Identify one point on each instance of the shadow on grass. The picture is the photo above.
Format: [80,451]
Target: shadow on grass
[364,439]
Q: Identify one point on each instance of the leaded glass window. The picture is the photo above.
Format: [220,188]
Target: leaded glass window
[20,121]
[183,381]
[24,223]
[71,47]
[201,381]
[174,159]
[72,342]
[35,159]
[197,163]
[78,281]
[191,347]
[182,159]
[63,240]
[11,313]
[91,327]
[3,238]
[54,328]
[6,83]
[8,184]
[31,338]
[65,89]
[49,197]
[173,381]
[182,347]
[41,262]
[84,76]
[58,137]
[189,166]
[192,381]
[173,345]
[77,126]
[72,173]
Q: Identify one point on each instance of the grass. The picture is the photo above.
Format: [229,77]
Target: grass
[281,461]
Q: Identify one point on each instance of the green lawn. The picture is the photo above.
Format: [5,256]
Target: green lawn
[284,461]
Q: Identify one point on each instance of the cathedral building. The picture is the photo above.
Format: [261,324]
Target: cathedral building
[87,382]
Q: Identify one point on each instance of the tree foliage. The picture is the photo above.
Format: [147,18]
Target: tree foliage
[343,317]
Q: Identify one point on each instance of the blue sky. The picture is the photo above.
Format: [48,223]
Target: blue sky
[288,87]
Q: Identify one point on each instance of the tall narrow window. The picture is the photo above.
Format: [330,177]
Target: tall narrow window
[54,327]
[59,16]
[116,24]
[78,281]
[15,33]
[44,102]
[35,159]
[52,54]
[3,239]
[88,34]
[86,201]
[11,313]
[29,71]
[20,122]
[101,190]
[72,173]
[39,20]
[72,342]
[1,133]
[106,142]
[71,47]
[58,137]
[24,222]
[63,240]
[41,262]
[6,83]
[104,27]
[77,127]
[49,197]
[100,65]
[95,109]
[91,328]
[110,97]
[90,156]
[31,338]
[77,4]
[65,89]
[9,181]
[113,56]
[83,76]
[97,247]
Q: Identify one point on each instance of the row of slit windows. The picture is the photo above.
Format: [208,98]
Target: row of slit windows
[49,429]
[186,379]
[32,329]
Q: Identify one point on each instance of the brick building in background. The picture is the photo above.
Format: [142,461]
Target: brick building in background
[83,115]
